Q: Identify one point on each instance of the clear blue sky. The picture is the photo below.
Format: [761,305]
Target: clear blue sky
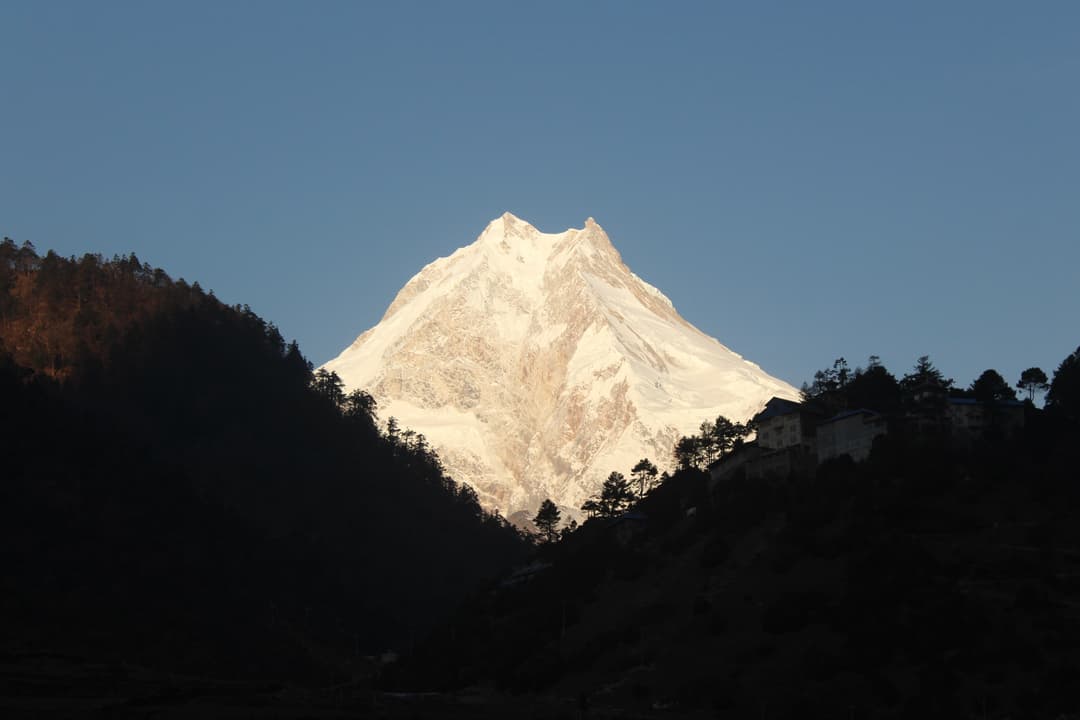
[803,180]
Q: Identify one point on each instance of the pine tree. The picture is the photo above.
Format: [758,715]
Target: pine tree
[644,474]
[991,387]
[616,497]
[1064,394]
[1033,380]
[923,373]
[547,520]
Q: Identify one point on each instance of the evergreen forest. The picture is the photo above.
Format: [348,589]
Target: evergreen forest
[194,522]
[179,491]
[936,579]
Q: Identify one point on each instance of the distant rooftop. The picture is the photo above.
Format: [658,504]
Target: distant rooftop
[777,407]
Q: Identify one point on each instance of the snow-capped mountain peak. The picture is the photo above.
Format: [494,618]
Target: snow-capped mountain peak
[536,363]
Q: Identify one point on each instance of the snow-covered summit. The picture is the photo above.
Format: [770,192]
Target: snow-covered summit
[536,363]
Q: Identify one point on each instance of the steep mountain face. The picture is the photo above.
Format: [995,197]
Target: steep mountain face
[537,363]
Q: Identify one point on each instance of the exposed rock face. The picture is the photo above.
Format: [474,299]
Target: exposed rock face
[537,363]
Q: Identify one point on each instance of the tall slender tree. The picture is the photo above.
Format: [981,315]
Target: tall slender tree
[547,521]
[644,474]
[1032,381]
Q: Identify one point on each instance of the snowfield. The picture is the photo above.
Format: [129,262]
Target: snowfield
[536,363]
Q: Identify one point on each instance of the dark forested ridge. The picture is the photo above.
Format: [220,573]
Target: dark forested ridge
[178,490]
[934,579]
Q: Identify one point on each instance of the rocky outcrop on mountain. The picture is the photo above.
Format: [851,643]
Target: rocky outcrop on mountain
[536,363]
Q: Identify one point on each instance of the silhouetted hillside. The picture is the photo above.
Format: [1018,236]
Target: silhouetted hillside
[179,491]
[930,581]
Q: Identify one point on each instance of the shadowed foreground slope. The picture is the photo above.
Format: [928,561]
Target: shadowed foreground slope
[927,582]
[179,493]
